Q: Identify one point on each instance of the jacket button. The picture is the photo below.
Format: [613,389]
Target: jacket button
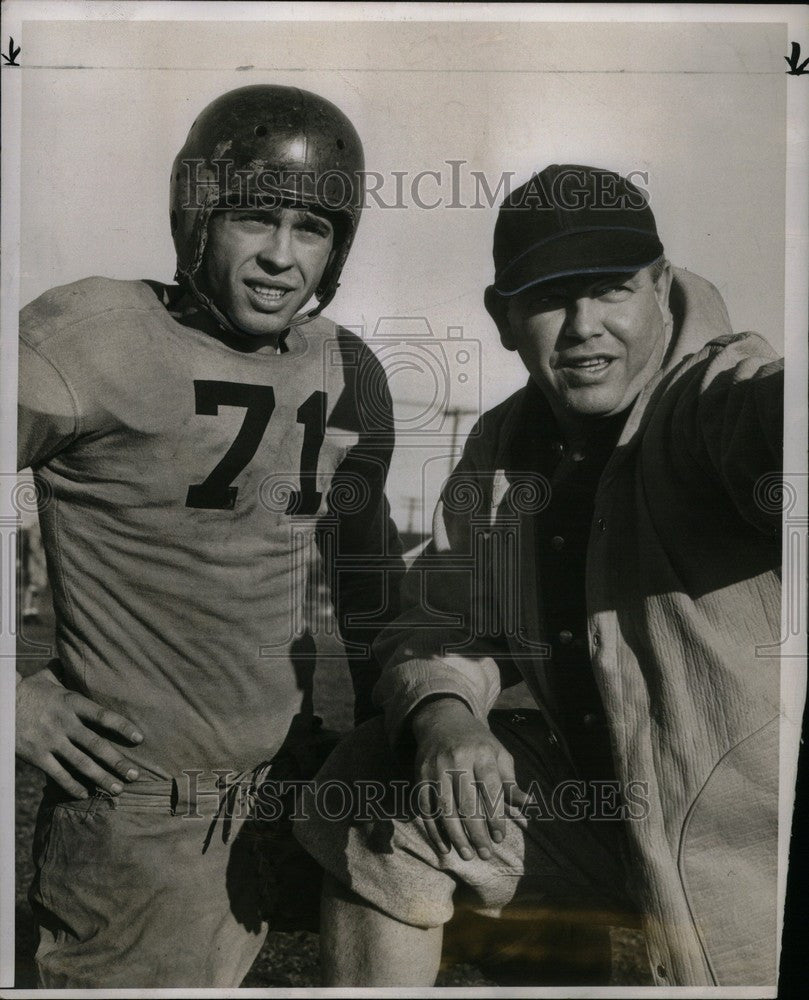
[602,524]
[565,637]
[661,971]
[557,543]
[596,639]
[552,738]
[590,719]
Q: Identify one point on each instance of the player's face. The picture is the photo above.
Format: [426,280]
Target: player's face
[591,345]
[261,266]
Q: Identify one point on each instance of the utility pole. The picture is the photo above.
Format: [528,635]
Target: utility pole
[412,504]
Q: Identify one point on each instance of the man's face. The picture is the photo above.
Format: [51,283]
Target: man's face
[261,266]
[590,344]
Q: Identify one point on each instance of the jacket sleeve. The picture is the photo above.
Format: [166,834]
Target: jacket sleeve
[735,425]
[358,541]
[446,641]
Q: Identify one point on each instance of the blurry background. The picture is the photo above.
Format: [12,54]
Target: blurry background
[698,108]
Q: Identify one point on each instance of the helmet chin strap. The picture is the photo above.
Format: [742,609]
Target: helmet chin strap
[300,319]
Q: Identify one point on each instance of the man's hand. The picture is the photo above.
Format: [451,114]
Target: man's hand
[468,775]
[56,726]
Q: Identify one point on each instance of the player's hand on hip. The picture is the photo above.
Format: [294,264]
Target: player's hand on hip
[466,777]
[59,729]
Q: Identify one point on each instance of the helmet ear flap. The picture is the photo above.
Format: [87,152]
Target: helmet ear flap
[344,222]
[322,290]
[330,281]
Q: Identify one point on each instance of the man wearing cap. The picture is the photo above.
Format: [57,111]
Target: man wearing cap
[604,538]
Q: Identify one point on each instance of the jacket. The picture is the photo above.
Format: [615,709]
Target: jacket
[683,602]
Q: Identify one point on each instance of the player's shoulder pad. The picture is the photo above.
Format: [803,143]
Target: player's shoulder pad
[326,330]
[349,350]
[355,349]
[65,306]
[346,348]
[366,399]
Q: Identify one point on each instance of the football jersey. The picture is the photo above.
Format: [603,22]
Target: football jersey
[186,479]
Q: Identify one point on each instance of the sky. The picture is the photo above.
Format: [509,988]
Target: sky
[697,109]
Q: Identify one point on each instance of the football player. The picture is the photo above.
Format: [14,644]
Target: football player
[192,444]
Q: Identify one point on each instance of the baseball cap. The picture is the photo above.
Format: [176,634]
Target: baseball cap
[571,219]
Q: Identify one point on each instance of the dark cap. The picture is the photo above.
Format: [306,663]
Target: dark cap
[568,220]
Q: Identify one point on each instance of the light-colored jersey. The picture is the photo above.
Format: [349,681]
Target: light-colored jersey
[186,478]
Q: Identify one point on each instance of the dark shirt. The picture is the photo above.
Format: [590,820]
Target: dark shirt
[562,533]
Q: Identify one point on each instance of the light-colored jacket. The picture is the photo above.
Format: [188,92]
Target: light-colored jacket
[683,601]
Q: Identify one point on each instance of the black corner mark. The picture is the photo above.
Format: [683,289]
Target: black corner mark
[13,52]
[796,69]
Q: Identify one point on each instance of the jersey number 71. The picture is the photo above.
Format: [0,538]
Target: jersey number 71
[216,492]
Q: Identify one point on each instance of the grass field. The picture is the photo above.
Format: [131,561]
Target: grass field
[287,959]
